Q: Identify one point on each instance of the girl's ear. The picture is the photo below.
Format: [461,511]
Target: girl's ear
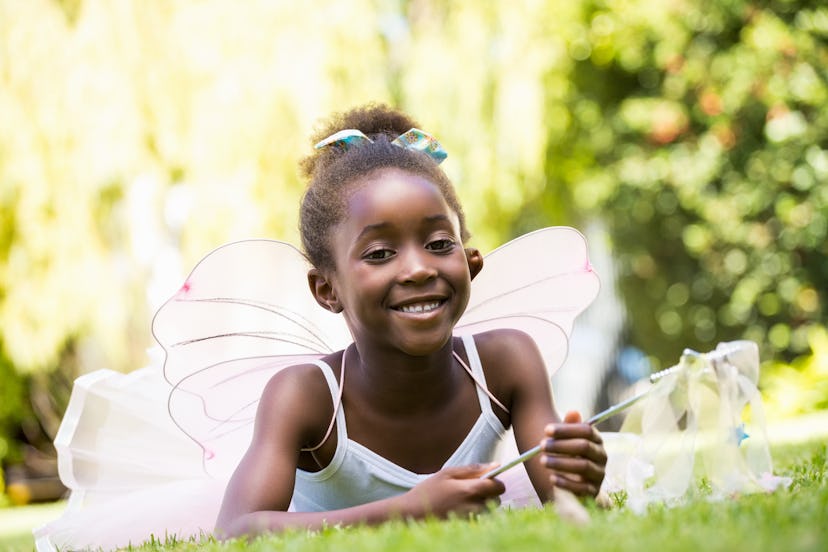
[323,291]
[475,260]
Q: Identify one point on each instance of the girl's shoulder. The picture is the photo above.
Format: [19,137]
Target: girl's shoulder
[295,395]
[296,378]
[504,346]
[510,359]
[303,380]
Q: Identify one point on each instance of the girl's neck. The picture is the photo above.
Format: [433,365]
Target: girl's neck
[401,384]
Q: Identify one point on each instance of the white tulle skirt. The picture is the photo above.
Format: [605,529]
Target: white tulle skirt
[132,473]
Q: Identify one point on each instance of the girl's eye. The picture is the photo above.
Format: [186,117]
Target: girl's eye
[378,254]
[444,244]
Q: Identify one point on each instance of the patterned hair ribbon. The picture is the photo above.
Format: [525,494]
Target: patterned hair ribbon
[414,139]
[343,138]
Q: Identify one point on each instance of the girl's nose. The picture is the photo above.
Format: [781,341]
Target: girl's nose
[416,268]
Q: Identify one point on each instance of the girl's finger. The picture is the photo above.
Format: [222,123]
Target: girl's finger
[575,447]
[572,417]
[571,431]
[469,471]
[581,488]
[581,467]
[493,488]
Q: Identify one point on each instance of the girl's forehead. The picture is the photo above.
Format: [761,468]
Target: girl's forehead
[394,196]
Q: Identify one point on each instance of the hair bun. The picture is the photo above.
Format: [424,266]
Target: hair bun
[373,120]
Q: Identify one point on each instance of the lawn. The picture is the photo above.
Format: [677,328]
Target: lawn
[16,524]
[794,519]
[791,520]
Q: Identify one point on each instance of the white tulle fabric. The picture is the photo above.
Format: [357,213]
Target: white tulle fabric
[149,453]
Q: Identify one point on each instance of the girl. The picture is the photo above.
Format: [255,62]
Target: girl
[415,412]
[399,419]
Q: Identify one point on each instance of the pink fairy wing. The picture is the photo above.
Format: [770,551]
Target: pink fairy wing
[537,283]
[244,313]
[177,429]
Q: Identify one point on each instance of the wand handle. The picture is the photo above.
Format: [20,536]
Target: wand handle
[600,417]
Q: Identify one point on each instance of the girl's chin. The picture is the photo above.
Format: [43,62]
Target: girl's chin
[425,346]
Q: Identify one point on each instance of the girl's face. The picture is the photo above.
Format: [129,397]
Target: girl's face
[402,277]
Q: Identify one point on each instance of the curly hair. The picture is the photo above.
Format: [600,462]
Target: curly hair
[331,171]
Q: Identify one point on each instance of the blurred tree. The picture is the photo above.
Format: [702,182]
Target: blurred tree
[698,132]
[13,410]
[136,136]
[139,135]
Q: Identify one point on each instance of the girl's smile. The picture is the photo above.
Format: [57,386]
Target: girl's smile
[421,311]
[402,277]
[420,307]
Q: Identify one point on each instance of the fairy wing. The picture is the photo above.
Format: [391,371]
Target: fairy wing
[244,313]
[149,452]
[538,283]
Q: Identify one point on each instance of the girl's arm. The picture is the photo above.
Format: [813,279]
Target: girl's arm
[457,490]
[573,455]
[259,493]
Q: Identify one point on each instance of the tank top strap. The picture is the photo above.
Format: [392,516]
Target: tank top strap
[338,418]
[475,370]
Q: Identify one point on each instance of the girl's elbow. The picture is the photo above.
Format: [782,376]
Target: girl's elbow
[233,527]
[225,529]
[250,525]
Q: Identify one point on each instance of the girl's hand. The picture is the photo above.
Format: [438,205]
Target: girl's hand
[574,452]
[456,490]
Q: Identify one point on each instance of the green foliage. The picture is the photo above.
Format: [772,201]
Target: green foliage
[698,133]
[14,409]
[802,385]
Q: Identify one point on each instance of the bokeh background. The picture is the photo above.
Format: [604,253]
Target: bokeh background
[688,139]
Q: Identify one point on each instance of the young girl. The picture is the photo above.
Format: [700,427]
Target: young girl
[400,423]
[414,412]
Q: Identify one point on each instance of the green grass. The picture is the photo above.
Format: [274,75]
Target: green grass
[794,519]
[16,524]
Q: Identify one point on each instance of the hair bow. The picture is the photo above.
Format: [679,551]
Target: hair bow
[414,139]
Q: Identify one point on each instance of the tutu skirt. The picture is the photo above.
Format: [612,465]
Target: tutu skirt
[132,473]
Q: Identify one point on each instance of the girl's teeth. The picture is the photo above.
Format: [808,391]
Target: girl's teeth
[422,307]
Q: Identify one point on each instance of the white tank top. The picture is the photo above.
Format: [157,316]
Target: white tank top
[357,475]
